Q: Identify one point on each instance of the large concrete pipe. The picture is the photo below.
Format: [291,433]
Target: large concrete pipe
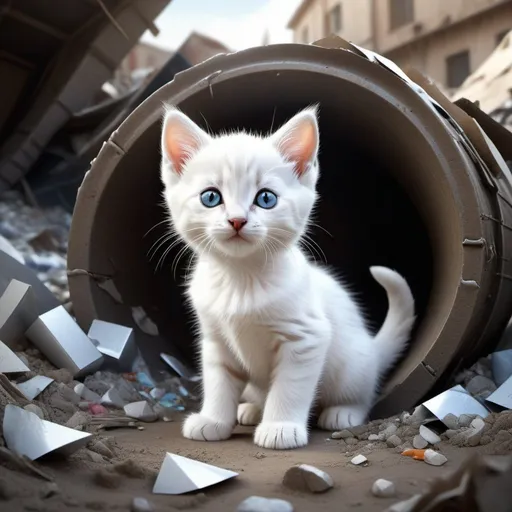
[403,185]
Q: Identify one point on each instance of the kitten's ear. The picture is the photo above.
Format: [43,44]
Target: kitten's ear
[298,139]
[181,138]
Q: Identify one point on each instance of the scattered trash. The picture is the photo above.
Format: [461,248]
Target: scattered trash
[10,362]
[179,368]
[259,504]
[359,460]
[116,343]
[307,478]
[383,488]
[434,458]
[27,434]
[141,411]
[62,341]
[34,386]
[415,454]
[113,398]
[179,475]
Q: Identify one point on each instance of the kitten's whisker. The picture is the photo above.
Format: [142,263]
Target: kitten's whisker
[155,226]
[320,227]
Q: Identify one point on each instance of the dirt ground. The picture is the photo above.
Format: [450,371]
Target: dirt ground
[260,473]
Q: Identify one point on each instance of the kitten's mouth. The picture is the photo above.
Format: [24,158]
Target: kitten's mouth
[237,237]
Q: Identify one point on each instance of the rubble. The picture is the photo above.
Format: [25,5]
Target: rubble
[259,504]
[429,436]
[383,488]
[419,443]
[141,411]
[307,478]
[434,458]
[359,460]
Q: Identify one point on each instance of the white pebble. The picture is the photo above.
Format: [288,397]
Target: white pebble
[435,458]
[383,488]
[419,443]
[429,436]
[358,460]
[259,504]
[373,437]
[142,505]
[307,478]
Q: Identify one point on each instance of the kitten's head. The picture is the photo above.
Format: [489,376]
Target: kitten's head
[240,194]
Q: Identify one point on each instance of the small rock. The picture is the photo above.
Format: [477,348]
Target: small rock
[130,468]
[480,385]
[475,432]
[101,448]
[435,458]
[419,443]
[451,421]
[466,419]
[78,420]
[373,437]
[351,441]
[393,441]
[383,488]
[48,490]
[450,433]
[359,430]
[359,460]
[307,478]
[259,504]
[429,436]
[342,434]
[84,392]
[68,394]
[35,409]
[388,431]
[142,505]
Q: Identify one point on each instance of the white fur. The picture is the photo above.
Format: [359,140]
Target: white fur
[267,315]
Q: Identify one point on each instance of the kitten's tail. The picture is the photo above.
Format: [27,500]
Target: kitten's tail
[396,329]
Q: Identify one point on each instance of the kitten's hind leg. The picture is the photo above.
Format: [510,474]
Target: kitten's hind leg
[250,410]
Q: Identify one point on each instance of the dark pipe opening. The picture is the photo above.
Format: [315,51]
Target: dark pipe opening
[367,198]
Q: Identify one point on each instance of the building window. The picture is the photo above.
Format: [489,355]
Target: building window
[401,12]
[333,20]
[305,35]
[501,36]
[457,69]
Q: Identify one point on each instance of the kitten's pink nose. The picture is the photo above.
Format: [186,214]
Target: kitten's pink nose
[238,223]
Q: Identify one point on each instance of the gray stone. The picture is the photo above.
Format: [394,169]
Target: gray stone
[466,419]
[95,457]
[383,488]
[451,421]
[68,394]
[307,478]
[359,460]
[393,441]
[419,443]
[78,421]
[435,458]
[142,505]
[342,434]
[260,504]
[451,433]
[429,436]
[359,430]
[480,385]
[475,432]
[351,441]
[388,431]
[373,437]
[35,409]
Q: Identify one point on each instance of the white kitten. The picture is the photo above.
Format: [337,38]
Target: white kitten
[269,317]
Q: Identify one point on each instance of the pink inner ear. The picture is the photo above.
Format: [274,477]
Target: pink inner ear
[299,145]
[180,146]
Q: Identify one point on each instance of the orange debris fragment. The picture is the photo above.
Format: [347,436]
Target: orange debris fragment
[415,454]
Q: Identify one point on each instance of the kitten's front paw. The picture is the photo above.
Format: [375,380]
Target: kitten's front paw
[201,428]
[280,435]
[342,416]
[249,414]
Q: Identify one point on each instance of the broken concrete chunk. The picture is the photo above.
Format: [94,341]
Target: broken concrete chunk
[10,362]
[141,411]
[480,386]
[113,398]
[179,475]
[61,340]
[359,460]
[34,386]
[18,311]
[466,419]
[141,505]
[419,443]
[373,437]
[342,434]
[435,458]
[84,392]
[116,342]
[259,504]
[78,421]
[383,488]
[388,431]
[429,436]
[501,366]
[394,441]
[27,434]
[451,421]
[307,478]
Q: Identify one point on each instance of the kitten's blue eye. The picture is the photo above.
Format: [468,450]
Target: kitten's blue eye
[265,199]
[211,198]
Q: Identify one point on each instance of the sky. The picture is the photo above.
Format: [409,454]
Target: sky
[239,24]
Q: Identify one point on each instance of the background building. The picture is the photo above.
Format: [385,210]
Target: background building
[446,39]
